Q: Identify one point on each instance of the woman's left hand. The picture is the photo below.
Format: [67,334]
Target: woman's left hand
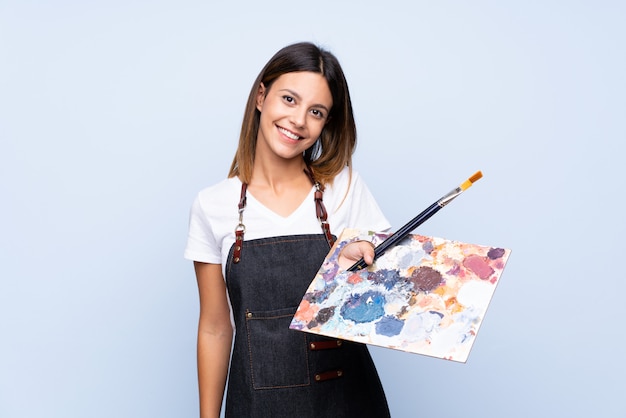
[354,251]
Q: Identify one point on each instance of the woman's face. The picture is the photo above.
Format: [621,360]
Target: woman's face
[294,111]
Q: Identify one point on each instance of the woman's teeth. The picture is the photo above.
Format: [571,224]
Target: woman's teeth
[289,134]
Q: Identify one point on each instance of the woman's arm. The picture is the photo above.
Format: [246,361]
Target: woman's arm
[215,336]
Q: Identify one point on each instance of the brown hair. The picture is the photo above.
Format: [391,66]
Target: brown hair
[333,150]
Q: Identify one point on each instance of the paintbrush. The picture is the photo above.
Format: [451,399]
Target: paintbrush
[403,232]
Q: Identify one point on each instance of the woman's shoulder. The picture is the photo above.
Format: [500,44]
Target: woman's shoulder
[345,186]
[227,190]
[346,179]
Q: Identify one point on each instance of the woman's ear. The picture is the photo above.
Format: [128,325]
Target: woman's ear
[260,97]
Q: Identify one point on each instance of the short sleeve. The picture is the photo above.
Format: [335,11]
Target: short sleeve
[201,243]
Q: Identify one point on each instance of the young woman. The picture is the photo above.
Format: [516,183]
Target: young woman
[258,238]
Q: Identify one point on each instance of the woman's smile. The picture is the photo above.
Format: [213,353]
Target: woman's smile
[289,134]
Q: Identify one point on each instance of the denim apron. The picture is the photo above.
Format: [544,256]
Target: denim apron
[276,372]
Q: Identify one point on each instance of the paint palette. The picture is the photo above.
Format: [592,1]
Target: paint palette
[425,295]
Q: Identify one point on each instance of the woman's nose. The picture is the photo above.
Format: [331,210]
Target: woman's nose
[298,118]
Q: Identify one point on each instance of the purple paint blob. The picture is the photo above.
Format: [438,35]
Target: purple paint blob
[454,271]
[325,314]
[495,253]
[425,279]
[320,296]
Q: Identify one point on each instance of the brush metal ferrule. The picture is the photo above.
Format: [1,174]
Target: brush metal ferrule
[449,197]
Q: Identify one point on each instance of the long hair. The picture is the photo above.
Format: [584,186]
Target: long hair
[333,150]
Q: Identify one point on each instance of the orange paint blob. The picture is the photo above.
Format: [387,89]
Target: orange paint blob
[306,312]
[354,279]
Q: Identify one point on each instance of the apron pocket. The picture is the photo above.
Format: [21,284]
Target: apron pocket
[278,355]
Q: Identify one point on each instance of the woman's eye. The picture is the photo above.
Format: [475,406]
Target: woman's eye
[317,113]
[288,99]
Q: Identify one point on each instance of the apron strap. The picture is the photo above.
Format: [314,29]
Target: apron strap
[320,212]
[322,216]
[320,209]
[241,228]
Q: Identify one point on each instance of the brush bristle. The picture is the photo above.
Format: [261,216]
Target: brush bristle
[477,176]
[474,178]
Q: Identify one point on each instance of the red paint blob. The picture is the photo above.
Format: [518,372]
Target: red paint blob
[479,266]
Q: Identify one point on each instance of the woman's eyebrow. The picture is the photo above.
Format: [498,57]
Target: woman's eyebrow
[297,96]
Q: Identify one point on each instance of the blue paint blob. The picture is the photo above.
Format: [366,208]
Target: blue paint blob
[366,307]
[387,278]
[389,326]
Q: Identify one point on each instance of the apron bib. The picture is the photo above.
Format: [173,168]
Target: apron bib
[277,372]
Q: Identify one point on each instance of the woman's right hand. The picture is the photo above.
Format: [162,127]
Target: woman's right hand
[354,251]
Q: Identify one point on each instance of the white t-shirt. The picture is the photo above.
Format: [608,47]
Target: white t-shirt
[214,216]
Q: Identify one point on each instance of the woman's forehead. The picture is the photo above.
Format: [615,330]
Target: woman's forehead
[307,85]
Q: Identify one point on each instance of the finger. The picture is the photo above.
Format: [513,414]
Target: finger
[367,249]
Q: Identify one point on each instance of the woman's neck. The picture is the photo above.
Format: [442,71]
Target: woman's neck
[280,188]
[279,174]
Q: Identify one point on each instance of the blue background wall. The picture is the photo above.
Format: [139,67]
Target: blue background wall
[113,114]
